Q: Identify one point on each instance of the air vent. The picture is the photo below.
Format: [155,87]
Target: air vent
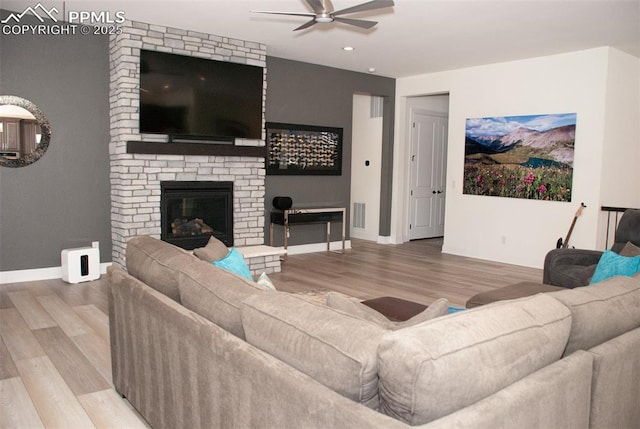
[359,213]
[377,103]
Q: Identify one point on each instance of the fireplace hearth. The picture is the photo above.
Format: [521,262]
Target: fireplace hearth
[192,211]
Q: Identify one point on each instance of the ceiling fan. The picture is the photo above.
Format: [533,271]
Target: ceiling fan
[323,12]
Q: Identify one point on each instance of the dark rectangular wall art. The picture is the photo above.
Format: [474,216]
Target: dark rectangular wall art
[303,150]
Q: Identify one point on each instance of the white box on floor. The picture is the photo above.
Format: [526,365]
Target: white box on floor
[80,264]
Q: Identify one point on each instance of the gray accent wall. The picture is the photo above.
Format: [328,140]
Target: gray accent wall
[62,200]
[309,94]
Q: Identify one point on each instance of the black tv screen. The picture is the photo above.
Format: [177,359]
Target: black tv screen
[196,97]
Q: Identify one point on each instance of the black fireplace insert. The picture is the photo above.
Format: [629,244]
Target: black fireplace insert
[193,211]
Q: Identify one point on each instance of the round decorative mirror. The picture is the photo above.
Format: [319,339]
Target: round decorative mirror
[24,132]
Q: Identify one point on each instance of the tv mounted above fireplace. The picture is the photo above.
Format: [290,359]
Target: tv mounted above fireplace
[199,99]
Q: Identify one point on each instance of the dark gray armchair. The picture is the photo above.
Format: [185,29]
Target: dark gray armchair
[571,268]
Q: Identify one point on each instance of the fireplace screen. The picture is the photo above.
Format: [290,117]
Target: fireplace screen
[191,212]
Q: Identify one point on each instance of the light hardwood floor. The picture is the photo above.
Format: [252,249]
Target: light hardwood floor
[417,271]
[55,367]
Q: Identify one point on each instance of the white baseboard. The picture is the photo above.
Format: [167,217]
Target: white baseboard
[363,235]
[317,247]
[19,276]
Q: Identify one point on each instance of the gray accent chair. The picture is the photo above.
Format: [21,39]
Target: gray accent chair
[572,268]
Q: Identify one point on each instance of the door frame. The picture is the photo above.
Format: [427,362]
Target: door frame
[412,112]
[401,162]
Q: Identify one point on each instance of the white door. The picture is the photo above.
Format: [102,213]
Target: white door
[428,172]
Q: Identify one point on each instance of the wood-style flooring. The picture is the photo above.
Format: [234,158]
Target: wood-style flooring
[417,271]
[55,368]
[55,362]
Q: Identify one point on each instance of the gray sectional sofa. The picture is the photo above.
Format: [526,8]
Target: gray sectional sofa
[195,346]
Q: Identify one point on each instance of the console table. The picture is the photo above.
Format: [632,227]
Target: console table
[289,217]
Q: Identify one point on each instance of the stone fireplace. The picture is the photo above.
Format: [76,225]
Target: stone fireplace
[141,163]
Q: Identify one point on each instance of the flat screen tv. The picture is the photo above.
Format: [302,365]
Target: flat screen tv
[188,97]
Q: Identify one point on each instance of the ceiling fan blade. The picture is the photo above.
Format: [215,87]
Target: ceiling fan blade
[357,22]
[374,4]
[320,6]
[270,12]
[306,25]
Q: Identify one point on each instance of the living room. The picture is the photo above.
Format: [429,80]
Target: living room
[599,85]
[69,79]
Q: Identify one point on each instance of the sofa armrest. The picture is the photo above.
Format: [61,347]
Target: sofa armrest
[559,260]
[614,393]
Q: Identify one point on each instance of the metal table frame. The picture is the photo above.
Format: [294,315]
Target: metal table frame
[285,226]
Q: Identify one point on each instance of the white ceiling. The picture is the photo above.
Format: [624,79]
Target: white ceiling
[413,37]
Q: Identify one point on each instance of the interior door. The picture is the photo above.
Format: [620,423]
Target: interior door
[428,172]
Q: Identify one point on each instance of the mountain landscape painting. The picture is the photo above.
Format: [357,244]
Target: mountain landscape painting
[520,156]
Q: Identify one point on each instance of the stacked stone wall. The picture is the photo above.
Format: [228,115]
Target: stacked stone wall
[135,178]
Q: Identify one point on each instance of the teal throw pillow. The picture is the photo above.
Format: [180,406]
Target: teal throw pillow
[611,264]
[235,263]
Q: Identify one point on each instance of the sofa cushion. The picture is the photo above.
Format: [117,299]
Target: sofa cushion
[430,370]
[355,308]
[602,311]
[557,396]
[156,263]
[630,250]
[214,250]
[336,349]
[215,294]
[611,264]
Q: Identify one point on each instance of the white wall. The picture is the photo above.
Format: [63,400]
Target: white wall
[513,230]
[366,145]
[621,157]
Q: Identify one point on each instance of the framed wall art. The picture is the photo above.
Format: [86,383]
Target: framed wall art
[303,149]
[520,156]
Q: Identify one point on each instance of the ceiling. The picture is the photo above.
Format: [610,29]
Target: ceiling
[413,37]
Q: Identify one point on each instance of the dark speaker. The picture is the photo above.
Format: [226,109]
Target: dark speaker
[282,203]
[84,265]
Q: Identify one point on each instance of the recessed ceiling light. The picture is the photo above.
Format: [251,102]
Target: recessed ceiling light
[348,48]
[372,69]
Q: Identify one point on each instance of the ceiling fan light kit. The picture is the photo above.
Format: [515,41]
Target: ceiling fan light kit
[324,18]
[324,13]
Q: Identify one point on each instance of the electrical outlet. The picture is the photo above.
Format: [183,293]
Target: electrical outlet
[503,239]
